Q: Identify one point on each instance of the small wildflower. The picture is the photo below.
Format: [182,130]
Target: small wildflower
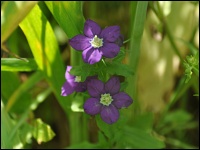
[106,99]
[73,83]
[96,43]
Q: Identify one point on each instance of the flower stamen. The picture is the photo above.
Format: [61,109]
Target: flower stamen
[77,79]
[96,42]
[106,99]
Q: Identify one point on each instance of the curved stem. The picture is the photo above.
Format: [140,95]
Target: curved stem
[161,17]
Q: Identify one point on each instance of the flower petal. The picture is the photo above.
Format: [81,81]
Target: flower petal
[81,87]
[112,86]
[91,56]
[68,76]
[80,42]
[95,87]
[111,33]
[109,114]
[109,50]
[120,40]
[121,100]
[68,88]
[92,106]
[91,28]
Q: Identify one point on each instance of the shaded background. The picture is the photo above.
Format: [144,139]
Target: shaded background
[159,72]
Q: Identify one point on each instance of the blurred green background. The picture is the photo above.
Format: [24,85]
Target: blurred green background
[162,94]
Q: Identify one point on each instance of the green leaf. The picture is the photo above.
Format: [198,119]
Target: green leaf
[112,131]
[42,131]
[144,121]
[45,49]
[8,141]
[14,64]
[12,13]
[84,71]
[120,56]
[138,11]
[84,145]
[116,68]
[21,125]
[103,141]
[138,138]
[123,85]
[68,15]
[176,120]
[178,117]
[25,133]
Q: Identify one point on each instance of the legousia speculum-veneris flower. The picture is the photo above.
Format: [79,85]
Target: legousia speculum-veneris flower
[105,97]
[96,43]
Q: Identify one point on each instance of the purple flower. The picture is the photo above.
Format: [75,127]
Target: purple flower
[106,99]
[72,84]
[96,43]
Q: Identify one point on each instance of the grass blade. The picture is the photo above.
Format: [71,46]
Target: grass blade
[45,49]
[12,13]
[14,64]
[139,14]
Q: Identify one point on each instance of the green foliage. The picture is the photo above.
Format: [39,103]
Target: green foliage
[84,71]
[84,145]
[68,15]
[191,65]
[138,138]
[27,82]
[12,13]
[116,68]
[13,64]
[100,69]
[8,140]
[45,49]
[144,122]
[9,83]
[110,131]
[42,132]
[138,14]
[176,121]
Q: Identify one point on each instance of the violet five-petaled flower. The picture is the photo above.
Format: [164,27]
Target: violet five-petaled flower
[73,83]
[106,99]
[96,43]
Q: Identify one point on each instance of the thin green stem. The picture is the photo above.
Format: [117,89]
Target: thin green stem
[171,39]
[40,98]
[161,17]
[103,62]
[126,41]
[75,128]
[23,88]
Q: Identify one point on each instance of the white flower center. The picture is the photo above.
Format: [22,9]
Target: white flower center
[78,79]
[106,99]
[96,42]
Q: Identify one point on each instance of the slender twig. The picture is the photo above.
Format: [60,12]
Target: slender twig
[4,48]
